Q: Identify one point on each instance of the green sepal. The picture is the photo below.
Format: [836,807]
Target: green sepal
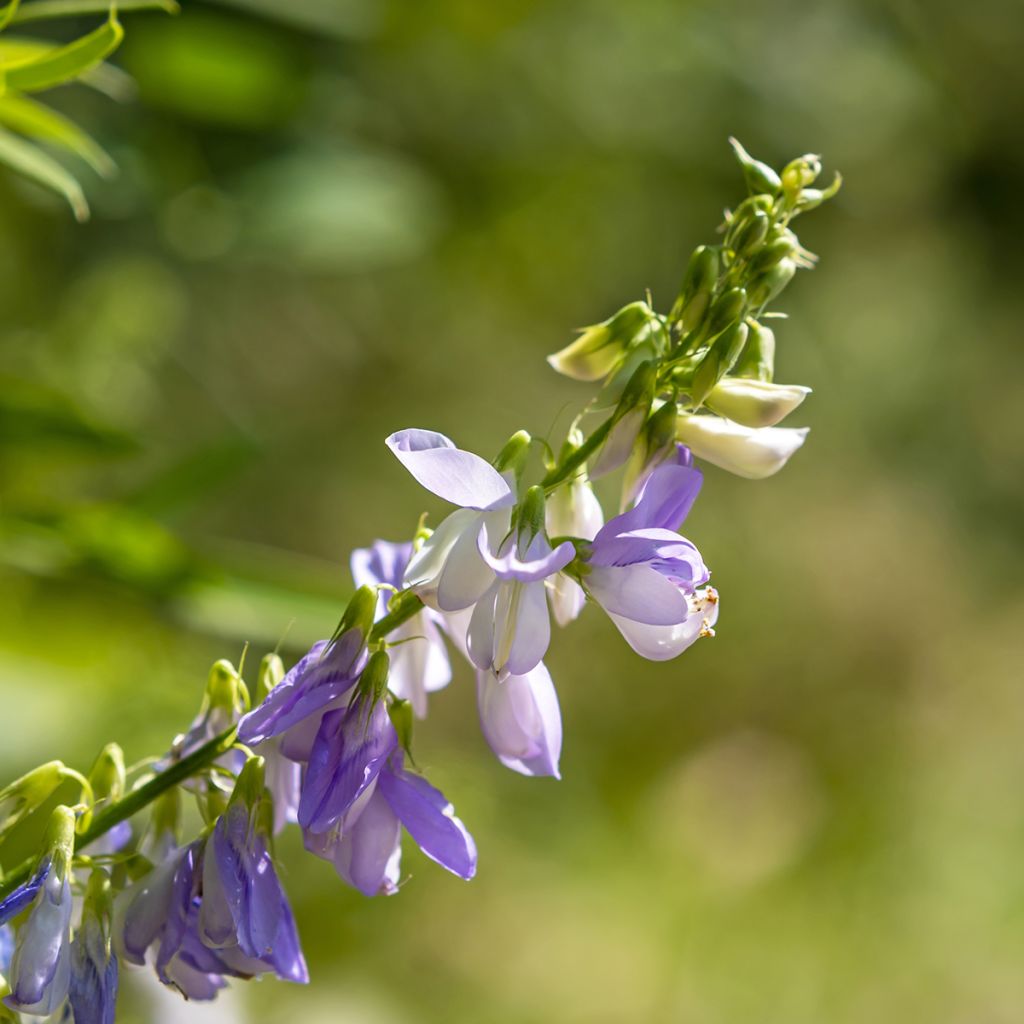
[32,790]
[530,515]
[750,234]
[59,839]
[400,713]
[358,613]
[224,688]
[373,683]
[698,285]
[810,198]
[771,253]
[758,176]
[250,786]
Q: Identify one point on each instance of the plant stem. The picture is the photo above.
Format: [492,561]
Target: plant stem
[575,459]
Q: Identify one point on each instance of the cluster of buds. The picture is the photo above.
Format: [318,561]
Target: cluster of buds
[703,374]
[327,746]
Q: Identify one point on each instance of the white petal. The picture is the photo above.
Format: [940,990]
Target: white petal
[661,643]
[754,454]
[755,403]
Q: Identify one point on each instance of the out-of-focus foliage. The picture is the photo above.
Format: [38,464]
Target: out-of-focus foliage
[336,219]
[30,65]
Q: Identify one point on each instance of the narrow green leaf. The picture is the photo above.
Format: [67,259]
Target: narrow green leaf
[25,158]
[31,118]
[104,78]
[65,62]
[8,13]
[45,9]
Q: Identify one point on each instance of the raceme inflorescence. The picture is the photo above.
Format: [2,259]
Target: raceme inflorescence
[328,745]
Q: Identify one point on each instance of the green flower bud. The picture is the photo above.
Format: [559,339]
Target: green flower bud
[107,776]
[811,197]
[271,672]
[628,419]
[798,174]
[358,612]
[31,791]
[531,512]
[757,362]
[600,347]
[514,453]
[755,403]
[750,234]
[250,786]
[224,687]
[773,252]
[656,441]
[771,282]
[726,310]
[724,352]
[698,286]
[59,840]
[759,176]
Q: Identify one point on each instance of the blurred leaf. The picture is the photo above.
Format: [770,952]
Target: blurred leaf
[45,9]
[64,63]
[25,158]
[8,13]
[216,70]
[32,118]
[341,18]
[104,78]
[31,413]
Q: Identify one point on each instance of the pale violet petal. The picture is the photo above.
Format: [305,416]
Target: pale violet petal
[637,592]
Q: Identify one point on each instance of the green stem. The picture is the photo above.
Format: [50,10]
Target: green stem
[575,459]
[403,607]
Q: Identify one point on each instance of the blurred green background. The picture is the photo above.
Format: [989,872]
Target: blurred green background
[336,218]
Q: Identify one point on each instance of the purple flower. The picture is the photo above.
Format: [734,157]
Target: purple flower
[510,630]
[245,915]
[348,754]
[521,720]
[419,661]
[646,576]
[447,572]
[365,845]
[41,966]
[94,974]
[293,708]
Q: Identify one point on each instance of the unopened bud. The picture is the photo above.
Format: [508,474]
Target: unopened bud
[59,840]
[271,672]
[759,176]
[771,253]
[514,453]
[359,612]
[721,357]
[250,786]
[727,309]
[223,687]
[400,713]
[757,360]
[373,683]
[755,403]
[811,197]
[600,347]
[749,235]
[798,174]
[107,776]
[753,454]
[769,284]
[531,512]
[31,791]
[698,286]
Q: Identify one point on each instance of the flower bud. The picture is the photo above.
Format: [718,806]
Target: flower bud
[769,255]
[755,403]
[270,674]
[107,776]
[373,683]
[771,282]
[224,687]
[753,454]
[759,176]
[720,358]
[359,612]
[812,197]
[656,443]
[726,310]
[698,286]
[24,795]
[749,235]
[757,362]
[514,453]
[401,714]
[597,351]
[250,786]
[531,512]
[628,420]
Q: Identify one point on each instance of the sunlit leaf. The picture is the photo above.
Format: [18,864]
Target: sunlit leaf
[41,122]
[7,13]
[104,78]
[45,9]
[65,63]
[27,159]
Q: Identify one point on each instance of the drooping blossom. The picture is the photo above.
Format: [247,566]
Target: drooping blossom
[753,454]
[646,576]
[520,719]
[40,968]
[755,403]
[365,845]
[572,511]
[510,628]
[419,661]
[448,572]
[319,681]
[94,971]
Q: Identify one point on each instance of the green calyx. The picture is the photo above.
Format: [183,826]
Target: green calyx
[758,176]
[514,453]
[250,786]
[400,713]
[24,795]
[59,839]
[373,683]
[107,775]
[225,689]
[358,613]
[271,672]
